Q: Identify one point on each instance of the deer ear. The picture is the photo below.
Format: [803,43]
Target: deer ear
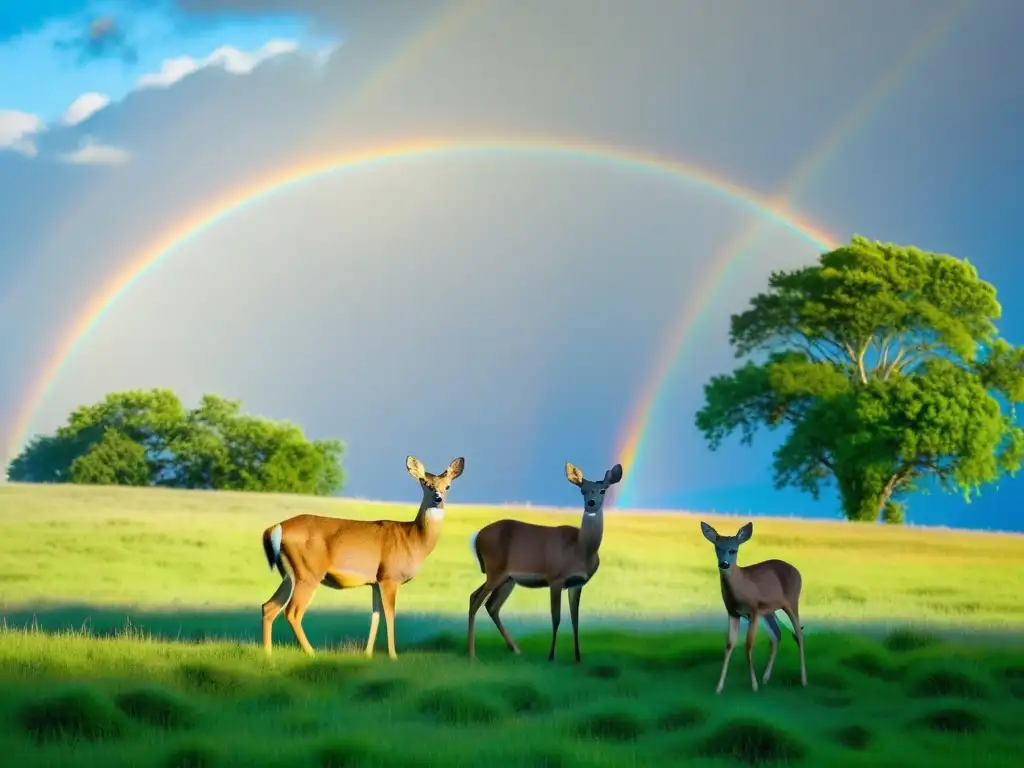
[455,468]
[415,467]
[613,475]
[709,533]
[745,533]
[573,474]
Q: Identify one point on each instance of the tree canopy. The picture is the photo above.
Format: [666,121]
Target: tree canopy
[149,438]
[885,366]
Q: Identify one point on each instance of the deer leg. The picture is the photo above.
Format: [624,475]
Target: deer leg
[574,614]
[388,593]
[751,637]
[730,642]
[493,605]
[556,618]
[798,631]
[774,635]
[296,609]
[374,619]
[273,607]
[475,601]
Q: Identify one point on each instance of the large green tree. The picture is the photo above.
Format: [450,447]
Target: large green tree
[147,437]
[884,365]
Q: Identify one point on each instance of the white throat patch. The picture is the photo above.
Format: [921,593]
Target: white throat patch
[435,513]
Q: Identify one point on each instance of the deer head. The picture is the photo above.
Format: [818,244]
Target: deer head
[435,487]
[593,490]
[727,547]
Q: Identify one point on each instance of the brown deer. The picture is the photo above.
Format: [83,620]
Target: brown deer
[558,557]
[756,591]
[310,550]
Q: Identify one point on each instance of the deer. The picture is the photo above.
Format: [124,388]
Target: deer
[556,557]
[310,550]
[756,592]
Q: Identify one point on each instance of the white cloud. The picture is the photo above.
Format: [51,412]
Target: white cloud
[231,59]
[85,106]
[17,130]
[91,152]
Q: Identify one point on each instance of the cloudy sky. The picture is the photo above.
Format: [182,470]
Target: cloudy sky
[511,303]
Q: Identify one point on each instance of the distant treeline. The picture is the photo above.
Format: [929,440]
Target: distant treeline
[148,438]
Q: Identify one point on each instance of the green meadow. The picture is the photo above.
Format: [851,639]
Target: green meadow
[130,620]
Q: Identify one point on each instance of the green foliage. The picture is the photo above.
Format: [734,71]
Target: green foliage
[149,438]
[884,364]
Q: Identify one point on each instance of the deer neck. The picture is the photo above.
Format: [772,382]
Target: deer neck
[591,532]
[733,581]
[428,524]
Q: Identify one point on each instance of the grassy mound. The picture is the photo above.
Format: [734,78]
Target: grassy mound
[194,756]
[76,713]
[210,679]
[682,718]
[525,698]
[954,720]
[156,707]
[454,706]
[346,752]
[752,742]
[947,684]
[854,737]
[907,639]
[609,725]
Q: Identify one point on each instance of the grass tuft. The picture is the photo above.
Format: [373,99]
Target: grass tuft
[76,713]
[547,758]
[525,698]
[377,690]
[751,742]
[324,672]
[834,700]
[954,720]
[873,664]
[345,752]
[947,684]
[610,726]
[907,639]
[1013,677]
[452,706]
[206,678]
[682,718]
[604,672]
[156,707]
[193,756]
[855,737]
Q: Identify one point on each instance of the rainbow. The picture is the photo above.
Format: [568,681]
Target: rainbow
[215,212]
[639,421]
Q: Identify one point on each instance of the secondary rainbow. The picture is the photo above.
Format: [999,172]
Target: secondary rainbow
[629,451]
[571,149]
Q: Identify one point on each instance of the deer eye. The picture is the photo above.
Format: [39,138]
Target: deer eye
[732,551]
[602,491]
[447,487]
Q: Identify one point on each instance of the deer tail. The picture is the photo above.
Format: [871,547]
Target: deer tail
[475,551]
[784,620]
[272,547]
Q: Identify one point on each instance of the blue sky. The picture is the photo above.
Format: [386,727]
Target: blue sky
[51,53]
[506,307]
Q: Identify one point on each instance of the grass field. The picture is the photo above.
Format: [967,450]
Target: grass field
[130,620]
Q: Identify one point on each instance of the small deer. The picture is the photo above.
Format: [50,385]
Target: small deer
[558,557]
[310,550]
[756,591]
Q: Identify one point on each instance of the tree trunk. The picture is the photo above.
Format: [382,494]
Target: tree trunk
[864,501]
